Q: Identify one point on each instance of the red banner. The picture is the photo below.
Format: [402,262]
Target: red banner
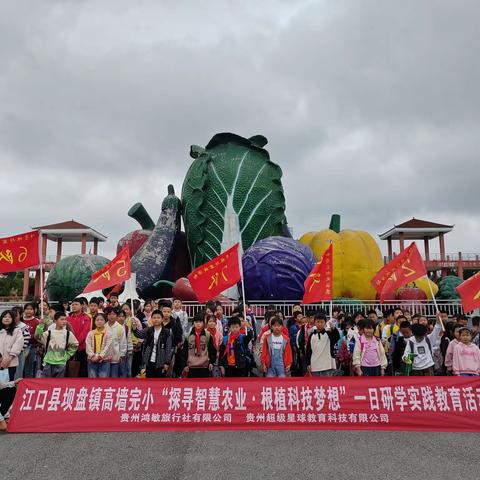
[334,403]
[19,252]
[469,291]
[406,267]
[319,283]
[215,276]
[114,273]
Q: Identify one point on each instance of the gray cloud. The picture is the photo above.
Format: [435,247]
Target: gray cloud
[371,108]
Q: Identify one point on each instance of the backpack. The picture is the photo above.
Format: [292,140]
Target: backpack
[243,353]
[428,343]
[49,335]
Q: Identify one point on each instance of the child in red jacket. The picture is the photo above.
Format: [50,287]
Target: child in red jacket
[276,351]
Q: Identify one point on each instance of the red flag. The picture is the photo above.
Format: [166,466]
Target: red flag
[215,276]
[319,283]
[117,271]
[469,291]
[19,252]
[404,268]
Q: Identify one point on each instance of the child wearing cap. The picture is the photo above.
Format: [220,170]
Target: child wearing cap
[466,356]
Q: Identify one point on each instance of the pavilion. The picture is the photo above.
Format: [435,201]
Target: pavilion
[416,229]
[60,233]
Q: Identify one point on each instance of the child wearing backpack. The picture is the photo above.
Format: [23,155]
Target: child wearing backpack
[466,356]
[276,351]
[217,339]
[234,350]
[198,350]
[369,357]
[98,346]
[59,345]
[420,345]
[320,353]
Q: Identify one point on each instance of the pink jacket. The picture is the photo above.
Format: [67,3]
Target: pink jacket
[466,359]
[449,354]
[11,345]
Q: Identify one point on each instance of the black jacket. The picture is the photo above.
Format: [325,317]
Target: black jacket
[165,346]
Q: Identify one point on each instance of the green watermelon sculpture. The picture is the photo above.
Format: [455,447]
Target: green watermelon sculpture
[71,275]
[232,191]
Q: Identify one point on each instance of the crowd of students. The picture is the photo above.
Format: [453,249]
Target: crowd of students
[100,339]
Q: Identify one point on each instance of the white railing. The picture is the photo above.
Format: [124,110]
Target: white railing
[258,308]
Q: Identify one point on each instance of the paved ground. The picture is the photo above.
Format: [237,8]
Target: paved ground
[240,455]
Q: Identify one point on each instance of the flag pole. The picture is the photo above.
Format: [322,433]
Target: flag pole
[132,289]
[434,301]
[243,285]
[41,276]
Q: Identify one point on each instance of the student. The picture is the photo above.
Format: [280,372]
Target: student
[11,343]
[298,321]
[81,324]
[276,351]
[31,321]
[17,313]
[320,356]
[7,395]
[304,334]
[113,300]
[421,346]
[173,323]
[405,333]
[476,331]
[466,356]
[252,321]
[233,351]
[59,345]
[98,345]
[94,308]
[101,304]
[135,359]
[344,357]
[124,367]
[462,320]
[198,350]
[369,357]
[221,318]
[181,315]
[158,346]
[119,341]
[147,313]
[451,345]
[217,339]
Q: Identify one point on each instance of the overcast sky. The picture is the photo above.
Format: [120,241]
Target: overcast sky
[371,108]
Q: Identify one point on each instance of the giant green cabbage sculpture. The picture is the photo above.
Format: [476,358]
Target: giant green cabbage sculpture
[232,190]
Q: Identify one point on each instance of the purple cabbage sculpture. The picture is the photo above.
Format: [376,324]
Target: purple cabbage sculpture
[275,268]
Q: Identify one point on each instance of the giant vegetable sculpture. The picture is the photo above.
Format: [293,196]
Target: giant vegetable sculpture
[275,268]
[71,275]
[137,238]
[155,260]
[232,191]
[356,259]
[447,288]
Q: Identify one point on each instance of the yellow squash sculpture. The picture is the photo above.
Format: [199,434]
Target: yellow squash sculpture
[356,259]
